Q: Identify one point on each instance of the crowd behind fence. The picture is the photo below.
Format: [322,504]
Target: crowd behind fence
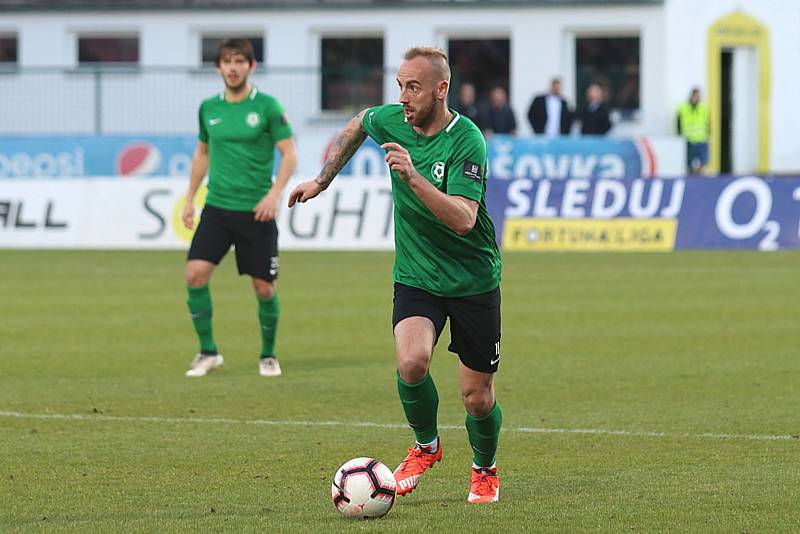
[135,100]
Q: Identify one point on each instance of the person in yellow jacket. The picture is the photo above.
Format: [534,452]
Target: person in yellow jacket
[694,126]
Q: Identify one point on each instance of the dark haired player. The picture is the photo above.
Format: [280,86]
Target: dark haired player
[239,131]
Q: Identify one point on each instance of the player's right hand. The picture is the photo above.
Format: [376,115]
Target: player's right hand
[305,191]
[188,215]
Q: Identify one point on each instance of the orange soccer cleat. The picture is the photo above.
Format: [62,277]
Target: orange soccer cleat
[485,486]
[415,463]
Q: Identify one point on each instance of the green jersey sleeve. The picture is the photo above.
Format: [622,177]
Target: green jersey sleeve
[203,132]
[371,123]
[277,124]
[466,173]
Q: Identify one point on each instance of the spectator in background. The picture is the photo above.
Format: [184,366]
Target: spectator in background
[499,115]
[594,116]
[549,113]
[694,126]
[467,104]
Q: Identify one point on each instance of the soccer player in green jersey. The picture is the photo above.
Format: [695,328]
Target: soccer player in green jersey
[447,263]
[239,131]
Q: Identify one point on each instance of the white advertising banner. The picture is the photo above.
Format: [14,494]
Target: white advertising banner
[145,213]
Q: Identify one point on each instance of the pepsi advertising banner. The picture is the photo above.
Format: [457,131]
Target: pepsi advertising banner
[83,156]
[509,157]
[751,212]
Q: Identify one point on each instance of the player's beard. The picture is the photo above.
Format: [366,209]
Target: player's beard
[238,87]
[424,114]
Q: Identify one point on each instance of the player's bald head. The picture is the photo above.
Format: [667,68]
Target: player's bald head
[436,57]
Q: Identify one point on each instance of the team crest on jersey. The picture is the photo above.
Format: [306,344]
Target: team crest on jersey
[437,172]
[252,119]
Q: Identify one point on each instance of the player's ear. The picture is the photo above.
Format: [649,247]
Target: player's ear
[441,90]
[253,65]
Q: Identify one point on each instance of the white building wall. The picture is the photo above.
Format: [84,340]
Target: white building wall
[687,23]
[673,40]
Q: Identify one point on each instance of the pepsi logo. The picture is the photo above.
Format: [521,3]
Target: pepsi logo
[138,159]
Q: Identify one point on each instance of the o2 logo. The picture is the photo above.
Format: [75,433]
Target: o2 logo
[759,220]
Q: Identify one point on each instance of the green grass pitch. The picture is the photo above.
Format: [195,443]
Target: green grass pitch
[642,392]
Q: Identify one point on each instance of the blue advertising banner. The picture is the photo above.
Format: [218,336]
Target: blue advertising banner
[646,214]
[557,158]
[509,157]
[82,156]
[539,158]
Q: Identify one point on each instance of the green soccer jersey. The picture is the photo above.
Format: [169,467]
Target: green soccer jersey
[429,254]
[241,139]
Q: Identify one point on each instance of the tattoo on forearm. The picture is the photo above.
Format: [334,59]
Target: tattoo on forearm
[345,145]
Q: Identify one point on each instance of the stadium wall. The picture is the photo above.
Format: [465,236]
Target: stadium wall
[686,26]
[673,37]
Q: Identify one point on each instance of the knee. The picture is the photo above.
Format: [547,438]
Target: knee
[412,366]
[264,289]
[478,402]
[196,277]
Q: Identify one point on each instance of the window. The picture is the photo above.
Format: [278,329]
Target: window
[210,45]
[482,62]
[614,63]
[108,49]
[352,73]
[8,49]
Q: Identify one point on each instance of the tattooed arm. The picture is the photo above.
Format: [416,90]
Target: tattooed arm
[343,148]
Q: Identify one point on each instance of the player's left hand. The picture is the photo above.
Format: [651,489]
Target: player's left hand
[267,208]
[399,160]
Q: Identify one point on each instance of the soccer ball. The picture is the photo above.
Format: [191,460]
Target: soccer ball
[363,488]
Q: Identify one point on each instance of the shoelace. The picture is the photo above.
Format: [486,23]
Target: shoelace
[416,452]
[485,481]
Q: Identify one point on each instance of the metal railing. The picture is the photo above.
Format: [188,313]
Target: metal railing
[137,100]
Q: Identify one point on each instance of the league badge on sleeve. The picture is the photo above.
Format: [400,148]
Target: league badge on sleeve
[473,171]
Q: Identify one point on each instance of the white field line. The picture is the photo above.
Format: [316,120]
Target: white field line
[367,424]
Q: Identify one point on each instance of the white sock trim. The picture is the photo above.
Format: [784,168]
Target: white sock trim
[476,466]
[433,445]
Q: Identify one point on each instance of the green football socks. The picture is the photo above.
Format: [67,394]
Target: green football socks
[269,310]
[421,404]
[201,311]
[484,433]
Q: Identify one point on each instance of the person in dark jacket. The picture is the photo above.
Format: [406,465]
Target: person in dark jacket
[499,117]
[549,113]
[594,116]
[467,103]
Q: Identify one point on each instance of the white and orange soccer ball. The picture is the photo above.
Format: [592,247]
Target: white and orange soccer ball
[363,488]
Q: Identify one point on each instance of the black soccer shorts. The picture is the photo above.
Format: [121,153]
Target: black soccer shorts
[255,242]
[474,322]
